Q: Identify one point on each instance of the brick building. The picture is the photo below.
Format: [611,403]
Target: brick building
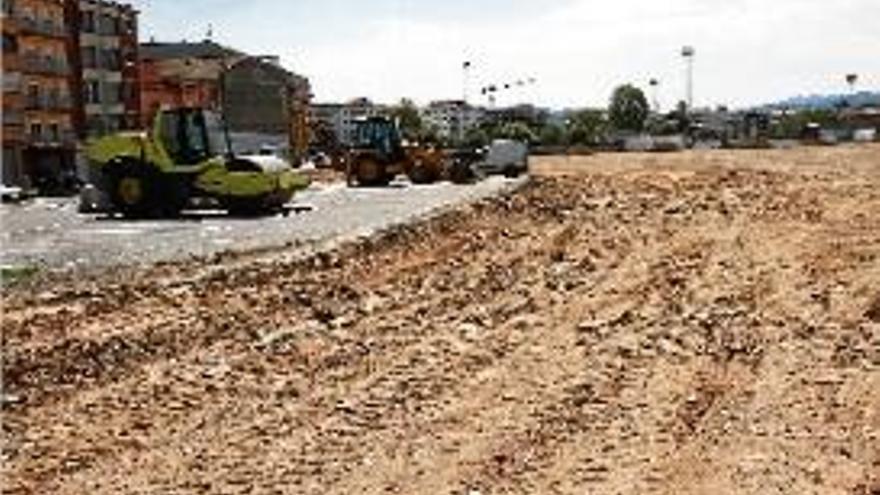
[181,74]
[38,138]
[69,71]
[13,105]
[262,97]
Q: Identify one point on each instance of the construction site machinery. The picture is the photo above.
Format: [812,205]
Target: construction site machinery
[187,155]
[378,155]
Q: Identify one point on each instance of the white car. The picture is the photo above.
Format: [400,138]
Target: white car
[505,156]
[10,193]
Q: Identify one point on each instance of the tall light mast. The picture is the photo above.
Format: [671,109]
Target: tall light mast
[688,53]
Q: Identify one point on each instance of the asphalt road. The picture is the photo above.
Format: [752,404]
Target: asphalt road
[51,234]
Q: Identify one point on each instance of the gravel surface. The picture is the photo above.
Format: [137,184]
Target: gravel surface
[690,323]
[50,233]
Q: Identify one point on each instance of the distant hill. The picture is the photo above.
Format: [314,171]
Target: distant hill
[860,99]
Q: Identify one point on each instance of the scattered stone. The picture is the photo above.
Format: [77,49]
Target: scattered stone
[469,330]
[10,400]
[873,312]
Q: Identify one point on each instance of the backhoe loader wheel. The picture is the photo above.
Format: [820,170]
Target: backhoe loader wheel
[370,172]
[422,174]
[461,172]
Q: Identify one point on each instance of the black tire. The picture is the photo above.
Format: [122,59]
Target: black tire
[370,172]
[461,172]
[420,174]
[133,188]
[158,195]
[512,171]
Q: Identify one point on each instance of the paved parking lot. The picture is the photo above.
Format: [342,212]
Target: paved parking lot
[50,233]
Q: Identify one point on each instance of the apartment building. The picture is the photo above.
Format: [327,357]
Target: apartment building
[37,75]
[106,75]
[69,72]
[12,172]
[341,117]
[452,118]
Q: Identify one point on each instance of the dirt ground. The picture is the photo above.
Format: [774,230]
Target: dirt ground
[690,323]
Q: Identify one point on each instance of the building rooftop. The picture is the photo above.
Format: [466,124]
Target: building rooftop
[184,49]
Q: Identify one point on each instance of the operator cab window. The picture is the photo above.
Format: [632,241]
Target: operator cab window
[185,137]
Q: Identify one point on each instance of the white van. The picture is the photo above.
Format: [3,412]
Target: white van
[505,156]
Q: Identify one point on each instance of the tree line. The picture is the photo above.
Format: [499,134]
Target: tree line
[628,111]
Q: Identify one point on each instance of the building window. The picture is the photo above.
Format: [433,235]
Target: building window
[36,130]
[110,60]
[9,7]
[92,92]
[89,57]
[54,98]
[112,93]
[33,96]
[88,21]
[54,132]
[10,43]
[95,126]
[107,25]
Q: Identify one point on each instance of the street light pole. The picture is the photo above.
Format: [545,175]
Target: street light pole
[465,68]
[688,52]
[654,96]
[851,80]
[465,80]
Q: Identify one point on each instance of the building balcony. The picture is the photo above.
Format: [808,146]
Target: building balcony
[12,118]
[41,27]
[106,74]
[63,139]
[60,103]
[11,82]
[47,66]
[87,39]
[109,108]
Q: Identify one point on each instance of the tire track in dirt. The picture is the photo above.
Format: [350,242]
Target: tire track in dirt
[662,331]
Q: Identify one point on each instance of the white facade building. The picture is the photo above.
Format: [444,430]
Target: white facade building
[452,118]
[341,117]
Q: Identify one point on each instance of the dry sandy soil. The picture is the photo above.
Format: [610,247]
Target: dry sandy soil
[690,323]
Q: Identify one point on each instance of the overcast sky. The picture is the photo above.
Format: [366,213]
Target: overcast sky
[748,51]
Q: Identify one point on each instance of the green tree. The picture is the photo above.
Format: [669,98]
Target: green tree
[410,121]
[552,135]
[518,131]
[629,108]
[587,127]
[792,124]
[476,137]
